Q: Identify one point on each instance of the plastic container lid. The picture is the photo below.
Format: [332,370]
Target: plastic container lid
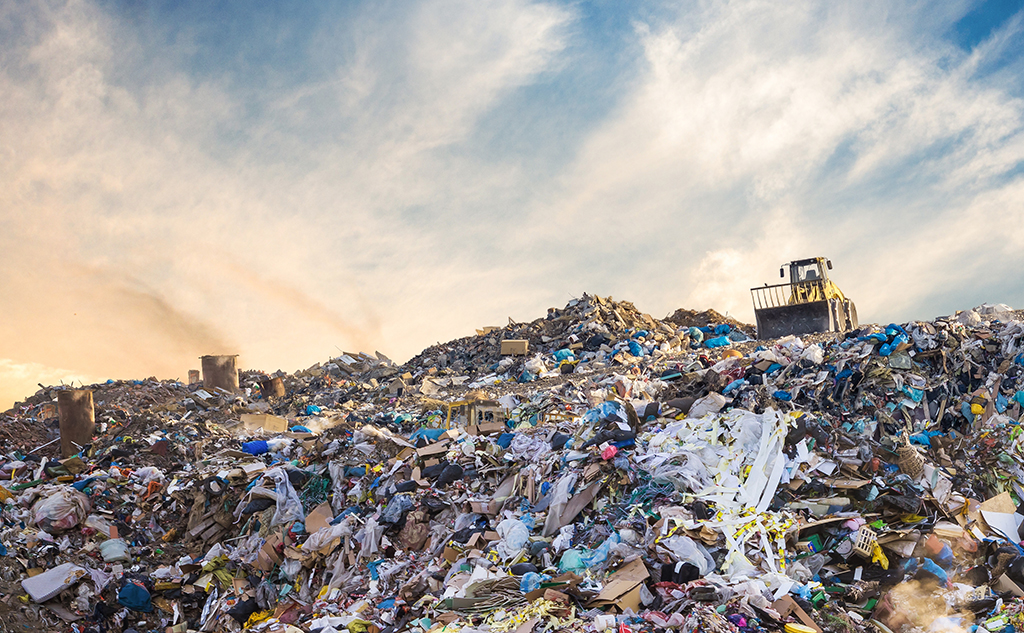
[798,628]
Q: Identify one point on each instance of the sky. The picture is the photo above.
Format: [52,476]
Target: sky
[285,182]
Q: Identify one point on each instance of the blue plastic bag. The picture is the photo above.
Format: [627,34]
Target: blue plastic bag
[945,558]
[257,447]
[928,565]
[564,354]
[734,385]
[430,434]
[888,348]
[720,341]
[135,597]
[531,581]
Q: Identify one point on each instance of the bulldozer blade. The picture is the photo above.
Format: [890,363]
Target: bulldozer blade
[804,318]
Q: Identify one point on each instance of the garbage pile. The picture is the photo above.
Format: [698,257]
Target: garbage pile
[608,472]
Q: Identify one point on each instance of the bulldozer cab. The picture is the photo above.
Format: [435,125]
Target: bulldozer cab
[809,303]
[810,282]
[807,270]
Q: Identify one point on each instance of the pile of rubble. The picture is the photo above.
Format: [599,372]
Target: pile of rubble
[607,471]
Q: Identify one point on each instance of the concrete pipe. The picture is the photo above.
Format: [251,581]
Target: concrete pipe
[77,420]
[272,387]
[220,371]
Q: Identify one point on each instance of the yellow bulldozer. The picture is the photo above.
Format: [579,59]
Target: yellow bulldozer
[809,303]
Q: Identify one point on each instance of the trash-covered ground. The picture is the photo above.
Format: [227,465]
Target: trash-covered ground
[625,473]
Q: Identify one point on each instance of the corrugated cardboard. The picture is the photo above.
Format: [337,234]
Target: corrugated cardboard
[437,448]
[786,606]
[269,423]
[485,507]
[320,517]
[515,347]
[487,428]
[1004,584]
[622,589]
[451,554]
[268,557]
[580,501]
[566,583]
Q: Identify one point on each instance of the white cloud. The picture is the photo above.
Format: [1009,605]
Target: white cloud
[138,237]
[759,133]
[149,213]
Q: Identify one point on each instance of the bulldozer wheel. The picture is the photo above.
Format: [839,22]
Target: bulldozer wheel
[851,316]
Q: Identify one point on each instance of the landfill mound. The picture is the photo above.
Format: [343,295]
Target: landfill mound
[692,318]
[607,472]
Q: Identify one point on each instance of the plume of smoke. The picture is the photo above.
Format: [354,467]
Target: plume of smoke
[924,606]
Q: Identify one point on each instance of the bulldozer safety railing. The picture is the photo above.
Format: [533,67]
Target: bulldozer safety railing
[788,294]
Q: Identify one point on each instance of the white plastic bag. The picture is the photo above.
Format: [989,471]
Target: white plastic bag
[62,510]
[684,549]
[514,536]
[814,353]
[559,499]
[338,485]
[289,506]
[536,365]
[115,551]
[148,474]
[711,403]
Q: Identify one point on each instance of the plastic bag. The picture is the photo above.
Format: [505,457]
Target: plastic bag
[692,475]
[559,499]
[711,403]
[600,555]
[572,560]
[814,353]
[536,365]
[115,551]
[325,535]
[289,506]
[531,581]
[718,341]
[514,537]
[149,473]
[338,485]
[399,506]
[563,541]
[564,355]
[99,524]
[684,549]
[62,510]
[369,539]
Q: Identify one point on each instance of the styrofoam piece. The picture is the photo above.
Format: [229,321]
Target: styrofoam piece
[49,583]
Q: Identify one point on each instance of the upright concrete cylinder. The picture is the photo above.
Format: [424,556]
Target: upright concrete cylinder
[220,371]
[77,419]
[272,387]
